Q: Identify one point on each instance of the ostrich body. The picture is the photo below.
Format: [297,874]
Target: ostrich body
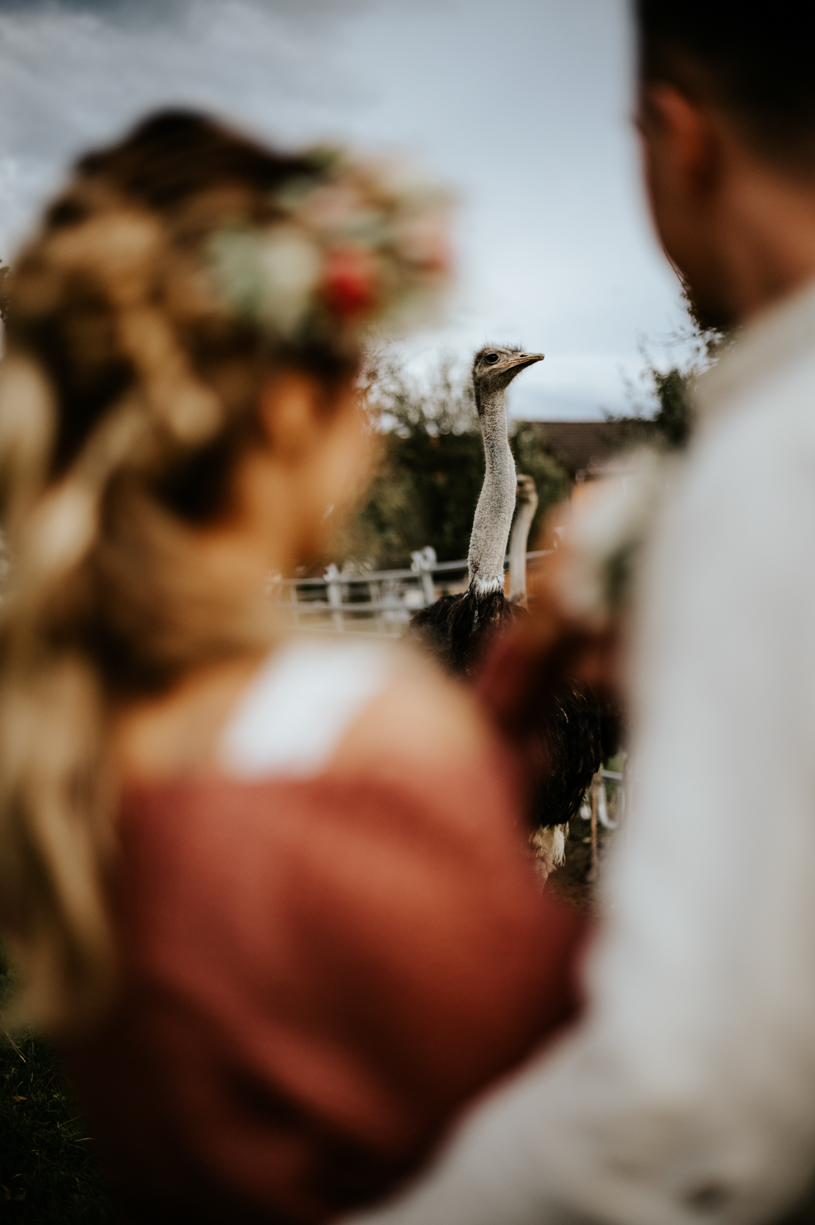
[526,504]
[457,629]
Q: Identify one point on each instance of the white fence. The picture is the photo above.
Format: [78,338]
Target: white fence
[374,602]
[605,799]
[603,806]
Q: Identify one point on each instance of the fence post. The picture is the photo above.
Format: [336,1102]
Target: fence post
[596,784]
[334,589]
[422,562]
[602,804]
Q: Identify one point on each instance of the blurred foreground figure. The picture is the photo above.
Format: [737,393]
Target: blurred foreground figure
[270,897]
[688,1092]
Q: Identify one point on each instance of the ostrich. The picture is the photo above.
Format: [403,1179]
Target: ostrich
[548,841]
[457,629]
[526,503]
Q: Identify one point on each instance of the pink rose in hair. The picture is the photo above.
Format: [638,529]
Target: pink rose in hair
[350,281]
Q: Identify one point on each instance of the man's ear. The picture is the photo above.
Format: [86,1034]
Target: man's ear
[289,412]
[682,138]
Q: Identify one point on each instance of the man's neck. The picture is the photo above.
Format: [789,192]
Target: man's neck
[770,241]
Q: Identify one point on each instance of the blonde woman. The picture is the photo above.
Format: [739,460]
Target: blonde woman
[269,896]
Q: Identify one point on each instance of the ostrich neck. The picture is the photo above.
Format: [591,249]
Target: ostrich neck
[517,551]
[496,504]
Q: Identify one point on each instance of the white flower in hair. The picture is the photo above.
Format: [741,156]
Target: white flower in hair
[268,275]
[290,266]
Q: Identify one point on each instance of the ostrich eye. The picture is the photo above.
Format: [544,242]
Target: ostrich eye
[491,358]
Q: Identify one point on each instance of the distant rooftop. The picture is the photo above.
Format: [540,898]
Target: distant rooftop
[582,446]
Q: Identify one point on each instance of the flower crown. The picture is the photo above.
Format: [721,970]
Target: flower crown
[352,244]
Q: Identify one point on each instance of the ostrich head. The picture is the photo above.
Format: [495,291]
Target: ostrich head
[525,491]
[495,366]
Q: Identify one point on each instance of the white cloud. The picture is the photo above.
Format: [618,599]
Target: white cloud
[523,108]
[75,74]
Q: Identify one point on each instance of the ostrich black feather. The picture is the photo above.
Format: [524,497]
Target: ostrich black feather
[458,629]
[572,745]
[573,729]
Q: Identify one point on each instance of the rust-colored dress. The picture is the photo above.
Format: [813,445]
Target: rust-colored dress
[317,970]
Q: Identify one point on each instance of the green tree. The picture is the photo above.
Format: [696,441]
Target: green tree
[4,271]
[551,478]
[667,416]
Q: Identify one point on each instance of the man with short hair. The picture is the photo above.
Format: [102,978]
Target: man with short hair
[687,1094]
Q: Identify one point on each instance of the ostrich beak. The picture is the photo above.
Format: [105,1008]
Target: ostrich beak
[520,361]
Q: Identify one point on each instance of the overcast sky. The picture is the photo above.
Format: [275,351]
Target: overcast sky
[523,106]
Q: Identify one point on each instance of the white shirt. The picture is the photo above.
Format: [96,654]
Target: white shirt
[687,1094]
[294,712]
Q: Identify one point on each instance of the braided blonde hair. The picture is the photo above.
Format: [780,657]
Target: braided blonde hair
[139,335]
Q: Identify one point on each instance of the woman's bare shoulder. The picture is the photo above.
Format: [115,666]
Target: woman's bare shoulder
[359,705]
[421,717]
[175,732]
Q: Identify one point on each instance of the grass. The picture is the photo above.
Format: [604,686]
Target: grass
[48,1170]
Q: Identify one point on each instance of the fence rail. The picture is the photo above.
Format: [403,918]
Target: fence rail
[379,602]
